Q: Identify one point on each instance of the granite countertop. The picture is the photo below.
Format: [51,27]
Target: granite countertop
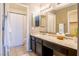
[71,43]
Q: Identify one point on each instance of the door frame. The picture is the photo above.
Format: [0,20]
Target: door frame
[28,20]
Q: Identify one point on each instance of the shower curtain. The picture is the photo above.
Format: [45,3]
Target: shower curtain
[13,31]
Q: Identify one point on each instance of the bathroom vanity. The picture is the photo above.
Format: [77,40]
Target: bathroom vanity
[62,21]
[46,45]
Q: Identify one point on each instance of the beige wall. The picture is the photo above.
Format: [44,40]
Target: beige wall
[61,17]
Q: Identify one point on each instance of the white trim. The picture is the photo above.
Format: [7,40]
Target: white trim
[1,32]
[28,29]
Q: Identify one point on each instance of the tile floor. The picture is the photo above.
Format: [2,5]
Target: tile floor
[20,51]
[29,54]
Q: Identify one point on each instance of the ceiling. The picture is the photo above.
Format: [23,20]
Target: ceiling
[42,7]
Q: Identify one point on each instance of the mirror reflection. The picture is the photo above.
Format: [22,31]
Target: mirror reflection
[58,20]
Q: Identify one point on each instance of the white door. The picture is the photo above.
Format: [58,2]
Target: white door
[15,29]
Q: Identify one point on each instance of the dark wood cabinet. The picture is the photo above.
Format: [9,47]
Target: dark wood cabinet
[45,48]
[72,52]
[57,49]
[47,51]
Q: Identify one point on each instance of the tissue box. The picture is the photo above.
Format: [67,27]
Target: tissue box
[60,36]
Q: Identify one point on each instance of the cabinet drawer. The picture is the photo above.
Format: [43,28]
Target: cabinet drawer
[61,51]
[39,40]
[57,53]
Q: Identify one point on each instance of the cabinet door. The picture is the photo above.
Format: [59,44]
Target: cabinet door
[30,42]
[57,49]
[33,44]
[72,52]
[39,49]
